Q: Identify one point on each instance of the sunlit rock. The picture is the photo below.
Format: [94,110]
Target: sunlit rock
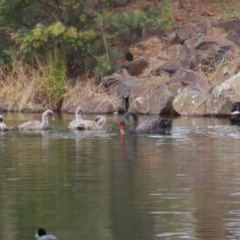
[190,101]
[223,96]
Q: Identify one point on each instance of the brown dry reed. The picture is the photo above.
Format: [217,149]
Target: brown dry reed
[26,87]
[85,90]
[34,89]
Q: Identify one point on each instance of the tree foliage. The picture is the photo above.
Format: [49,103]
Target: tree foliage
[87,31]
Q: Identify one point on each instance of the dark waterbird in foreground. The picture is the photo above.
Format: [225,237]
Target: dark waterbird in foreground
[42,235]
[235,113]
[3,126]
[155,126]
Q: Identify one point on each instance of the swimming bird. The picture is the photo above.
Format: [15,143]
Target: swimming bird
[159,126]
[78,118]
[235,113]
[97,124]
[3,126]
[79,124]
[37,125]
[42,235]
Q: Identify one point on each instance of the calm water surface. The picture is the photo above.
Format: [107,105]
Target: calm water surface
[103,186]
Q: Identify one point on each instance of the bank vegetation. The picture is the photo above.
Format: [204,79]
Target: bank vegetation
[46,44]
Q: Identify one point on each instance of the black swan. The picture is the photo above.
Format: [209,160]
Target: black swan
[159,126]
[235,113]
[37,125]
[42,235]
[3,126]
[80,124]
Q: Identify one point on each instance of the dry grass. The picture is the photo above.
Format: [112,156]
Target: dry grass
[85,90]
[196,11]
[215,77]
[24,87]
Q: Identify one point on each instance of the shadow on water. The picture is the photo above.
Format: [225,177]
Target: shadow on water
[102,185]
[129,221]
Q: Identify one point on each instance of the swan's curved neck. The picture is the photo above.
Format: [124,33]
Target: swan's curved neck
[79,115]
[45,119]
[135,120]
[100,120]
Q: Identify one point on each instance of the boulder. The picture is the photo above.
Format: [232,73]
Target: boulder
[207,51]
[211,51]
[170,68]
[202,51]
[164,98]
[137,66]
[122,91]
[186,77]
[139,94]
[154,100]
[194,100]
[187,53]
[94,105]
[98,100]
[183,34]
[139,105]
[223,96]
[170,53]
[191,101]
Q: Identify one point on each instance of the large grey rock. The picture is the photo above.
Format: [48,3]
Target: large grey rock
[166,96]
[154,100]
[194,100]
[223,96]
[190,102]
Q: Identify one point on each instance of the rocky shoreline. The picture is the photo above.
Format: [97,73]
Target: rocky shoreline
[194,73]
[191,72]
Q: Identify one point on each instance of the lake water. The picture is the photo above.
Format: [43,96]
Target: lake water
[106,186]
